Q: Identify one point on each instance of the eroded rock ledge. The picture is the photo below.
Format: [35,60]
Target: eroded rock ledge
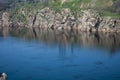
[86,20]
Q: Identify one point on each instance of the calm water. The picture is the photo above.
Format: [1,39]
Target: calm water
[60,56]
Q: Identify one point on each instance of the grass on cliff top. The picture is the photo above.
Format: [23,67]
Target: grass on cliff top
[33,7]
[16,12]
[29,6]
[73,5]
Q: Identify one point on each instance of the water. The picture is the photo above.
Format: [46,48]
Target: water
[61,56]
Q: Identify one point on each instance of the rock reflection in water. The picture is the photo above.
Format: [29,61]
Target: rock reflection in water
[110,41]
[52,54]
[4,31]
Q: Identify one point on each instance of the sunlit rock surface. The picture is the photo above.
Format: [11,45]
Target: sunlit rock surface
[86,20]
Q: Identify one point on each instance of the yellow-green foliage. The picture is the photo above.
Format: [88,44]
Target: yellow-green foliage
[96,4]
[74,5]
[28,7]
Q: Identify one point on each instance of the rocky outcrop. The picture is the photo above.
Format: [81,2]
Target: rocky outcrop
[87,20]
[4,21]
[46,18]
[49,19]
[92,21]
[4,24]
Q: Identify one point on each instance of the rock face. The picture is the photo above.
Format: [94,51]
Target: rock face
[89,20]
[92,21]
[49,19]
[4,24]
[46,18]
[5,18]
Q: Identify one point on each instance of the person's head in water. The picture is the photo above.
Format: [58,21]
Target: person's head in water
[3,76]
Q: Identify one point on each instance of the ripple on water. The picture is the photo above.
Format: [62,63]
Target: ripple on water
[99,63]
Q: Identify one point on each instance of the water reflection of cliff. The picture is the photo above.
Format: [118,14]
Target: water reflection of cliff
[110,41]
[4,31]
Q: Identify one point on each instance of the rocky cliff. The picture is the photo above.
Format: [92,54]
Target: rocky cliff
[33,17]
[46,18]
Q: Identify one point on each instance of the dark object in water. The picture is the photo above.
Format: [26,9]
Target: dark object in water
[3,76]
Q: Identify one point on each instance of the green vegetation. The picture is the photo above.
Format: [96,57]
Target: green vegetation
[102,6]
[55,4]
[111,14]
[85,1]
[16,13]
[30,6]
[74,5]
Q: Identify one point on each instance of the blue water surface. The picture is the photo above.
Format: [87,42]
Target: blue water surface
[32,60]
